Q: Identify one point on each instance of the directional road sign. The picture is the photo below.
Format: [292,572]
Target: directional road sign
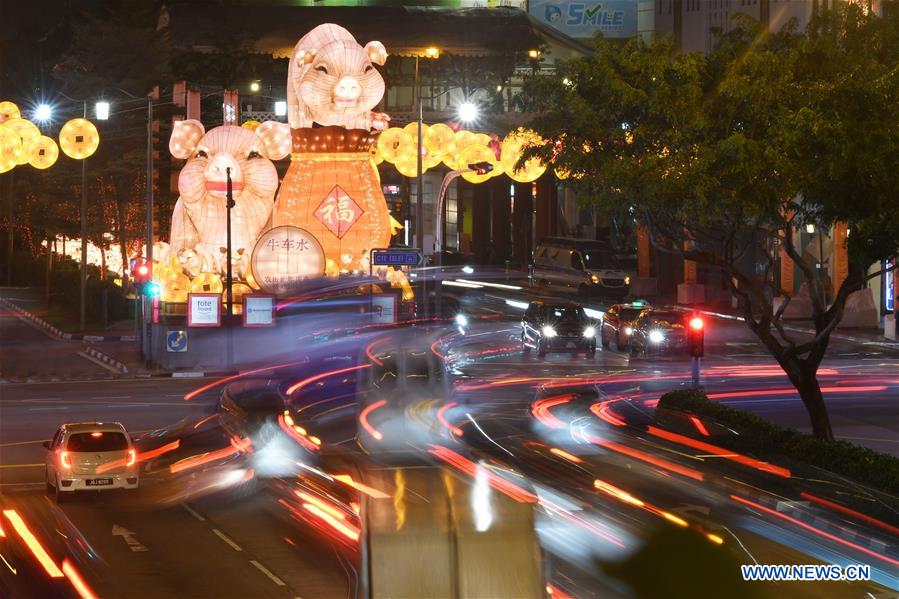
[396,257]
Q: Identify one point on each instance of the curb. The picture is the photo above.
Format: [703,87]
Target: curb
[112,363]
[55,332]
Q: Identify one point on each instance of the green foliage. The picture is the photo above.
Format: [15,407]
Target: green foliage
[762,438]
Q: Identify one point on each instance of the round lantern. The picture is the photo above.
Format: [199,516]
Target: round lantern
[463,139]
[238,290]
[206,282]
[395,144]
[27,131]
[8,110]
[451,160]
[482,138]
[561,173]
[10,149]
[440,140]
[476,153]
[376,156]
[513,146]
[331,269]
[412,130]
[175,288]
[408,166]
[284,257]
[251,281]
[79,138]
[42,152]
[251,125]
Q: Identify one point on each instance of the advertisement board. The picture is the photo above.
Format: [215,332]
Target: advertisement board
[383,308]
[258,310]
[615,19]
[204,310]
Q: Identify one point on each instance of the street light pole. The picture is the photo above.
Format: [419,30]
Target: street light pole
[146,327]
[83,294]
[419,199]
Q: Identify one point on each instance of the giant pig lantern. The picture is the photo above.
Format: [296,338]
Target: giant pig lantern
[199,221]
[331,188]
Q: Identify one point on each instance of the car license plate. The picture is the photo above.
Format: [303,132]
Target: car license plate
[98,482]
[570,344]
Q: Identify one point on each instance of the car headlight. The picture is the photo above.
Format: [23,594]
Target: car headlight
[461,320]
[656,337]
[548,331]
[628,331]
[590,332]
[627,280]
[594,278]
[467,270]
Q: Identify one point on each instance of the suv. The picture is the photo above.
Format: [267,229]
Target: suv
[591,268]
[618,323]
[90,456]
[557,326]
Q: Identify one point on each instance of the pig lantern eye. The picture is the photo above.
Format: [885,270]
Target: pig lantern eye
[368,68]
[322,69]
[253,154]
[202,154]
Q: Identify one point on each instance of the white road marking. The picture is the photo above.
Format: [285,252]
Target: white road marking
[112,397]
[26,443]
[268,573]
[225,538]
[191,511]
[99,363]
[64,408]
[133,544]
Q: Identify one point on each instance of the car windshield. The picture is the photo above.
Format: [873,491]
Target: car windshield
[99,441]
[629,313]
[668,319]
[598,259]
[565,313]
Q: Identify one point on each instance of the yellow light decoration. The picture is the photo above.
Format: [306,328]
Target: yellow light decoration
[42,152]
[238,290]
[331,269]
[175,288]
[8,110]
[27,131]
[251,125]
[376,157]
[476,153]
[395,144]
[440,140]
[206,282]
[79,139]
[251,281]
[412,130]
[513,146]
[482,138]
[10,149]
[451,160]
[463,139]
[408,166]
[561,173]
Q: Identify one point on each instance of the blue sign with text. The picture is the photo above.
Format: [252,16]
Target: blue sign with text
[612,18]
[396,257]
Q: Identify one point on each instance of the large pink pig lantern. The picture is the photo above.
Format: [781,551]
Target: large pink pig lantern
[200,218]
[331,188]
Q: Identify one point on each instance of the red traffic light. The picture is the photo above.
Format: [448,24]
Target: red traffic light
[696,323]
[143,270]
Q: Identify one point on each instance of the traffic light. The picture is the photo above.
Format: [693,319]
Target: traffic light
[152,289]
[481,168]
[697,337]
[141,273]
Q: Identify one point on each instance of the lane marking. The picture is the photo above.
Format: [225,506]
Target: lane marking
[112,397]
[225,538]
[22,465]
[191,511]
[22,443]
[268,573]
[128,536]
[99,363]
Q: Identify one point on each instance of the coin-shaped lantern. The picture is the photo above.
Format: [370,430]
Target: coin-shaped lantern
[206,282]
[473,154]
[79,138]
[176,288]
[440,140]
[513,147]
[27,131]
[8,110]
[42,152]
[395,144]
[10,149]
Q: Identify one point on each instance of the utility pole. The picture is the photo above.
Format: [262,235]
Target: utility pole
[83,302]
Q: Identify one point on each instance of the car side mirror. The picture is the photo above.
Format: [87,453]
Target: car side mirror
[46,444]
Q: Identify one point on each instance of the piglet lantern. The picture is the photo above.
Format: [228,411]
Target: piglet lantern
[199,221]
[331,188]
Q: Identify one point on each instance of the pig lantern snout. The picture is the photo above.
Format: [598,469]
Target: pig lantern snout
[347,90]
[216,175]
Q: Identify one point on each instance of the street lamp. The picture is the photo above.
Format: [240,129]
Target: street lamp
[254,86]
[42,113]
[280,108]
[101,110]
[432,53]
[468,112]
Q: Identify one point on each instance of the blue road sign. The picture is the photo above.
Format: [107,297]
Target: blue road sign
[396,257]
[176,341]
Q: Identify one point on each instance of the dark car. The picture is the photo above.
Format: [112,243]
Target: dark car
[659,331]
[557,326]
[618,323]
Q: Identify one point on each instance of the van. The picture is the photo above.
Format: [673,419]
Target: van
[590,268]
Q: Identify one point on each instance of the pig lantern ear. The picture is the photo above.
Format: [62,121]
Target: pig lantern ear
[376,51]
[185,137]
[304,57]
[273,139]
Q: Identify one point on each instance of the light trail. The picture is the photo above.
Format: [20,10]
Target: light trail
[604,411]
[648,458]
[77,581]
[441,416]
[370,491]
[850,512]
[300,384]
[565,455]
[33,544]
[471,468]
[541,408]
[213,384]
[363,419]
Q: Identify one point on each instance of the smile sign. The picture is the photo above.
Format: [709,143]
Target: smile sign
[613,18]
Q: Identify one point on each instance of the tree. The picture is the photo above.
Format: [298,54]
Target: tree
[722,156]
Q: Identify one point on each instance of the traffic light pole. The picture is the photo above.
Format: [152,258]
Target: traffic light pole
[695,365]
[229,203]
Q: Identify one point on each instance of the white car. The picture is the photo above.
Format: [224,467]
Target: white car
[90,456]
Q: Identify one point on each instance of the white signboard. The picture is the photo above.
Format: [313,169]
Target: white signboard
[284,257]
[204,310]
[258,310]
[383,308]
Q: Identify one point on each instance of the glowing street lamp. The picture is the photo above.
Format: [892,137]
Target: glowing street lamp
[432,52]
[42,113]
[101,110]
[254,86]
[468,112]
[280,108]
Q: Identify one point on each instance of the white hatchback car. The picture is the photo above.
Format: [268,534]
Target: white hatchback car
[90,456]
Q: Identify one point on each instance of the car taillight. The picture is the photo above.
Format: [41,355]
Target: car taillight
[64,459]
[132,457]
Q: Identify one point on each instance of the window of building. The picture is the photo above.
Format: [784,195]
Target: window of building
[452,218]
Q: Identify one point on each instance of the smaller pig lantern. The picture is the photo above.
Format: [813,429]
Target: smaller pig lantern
[332,189]
[199,221]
